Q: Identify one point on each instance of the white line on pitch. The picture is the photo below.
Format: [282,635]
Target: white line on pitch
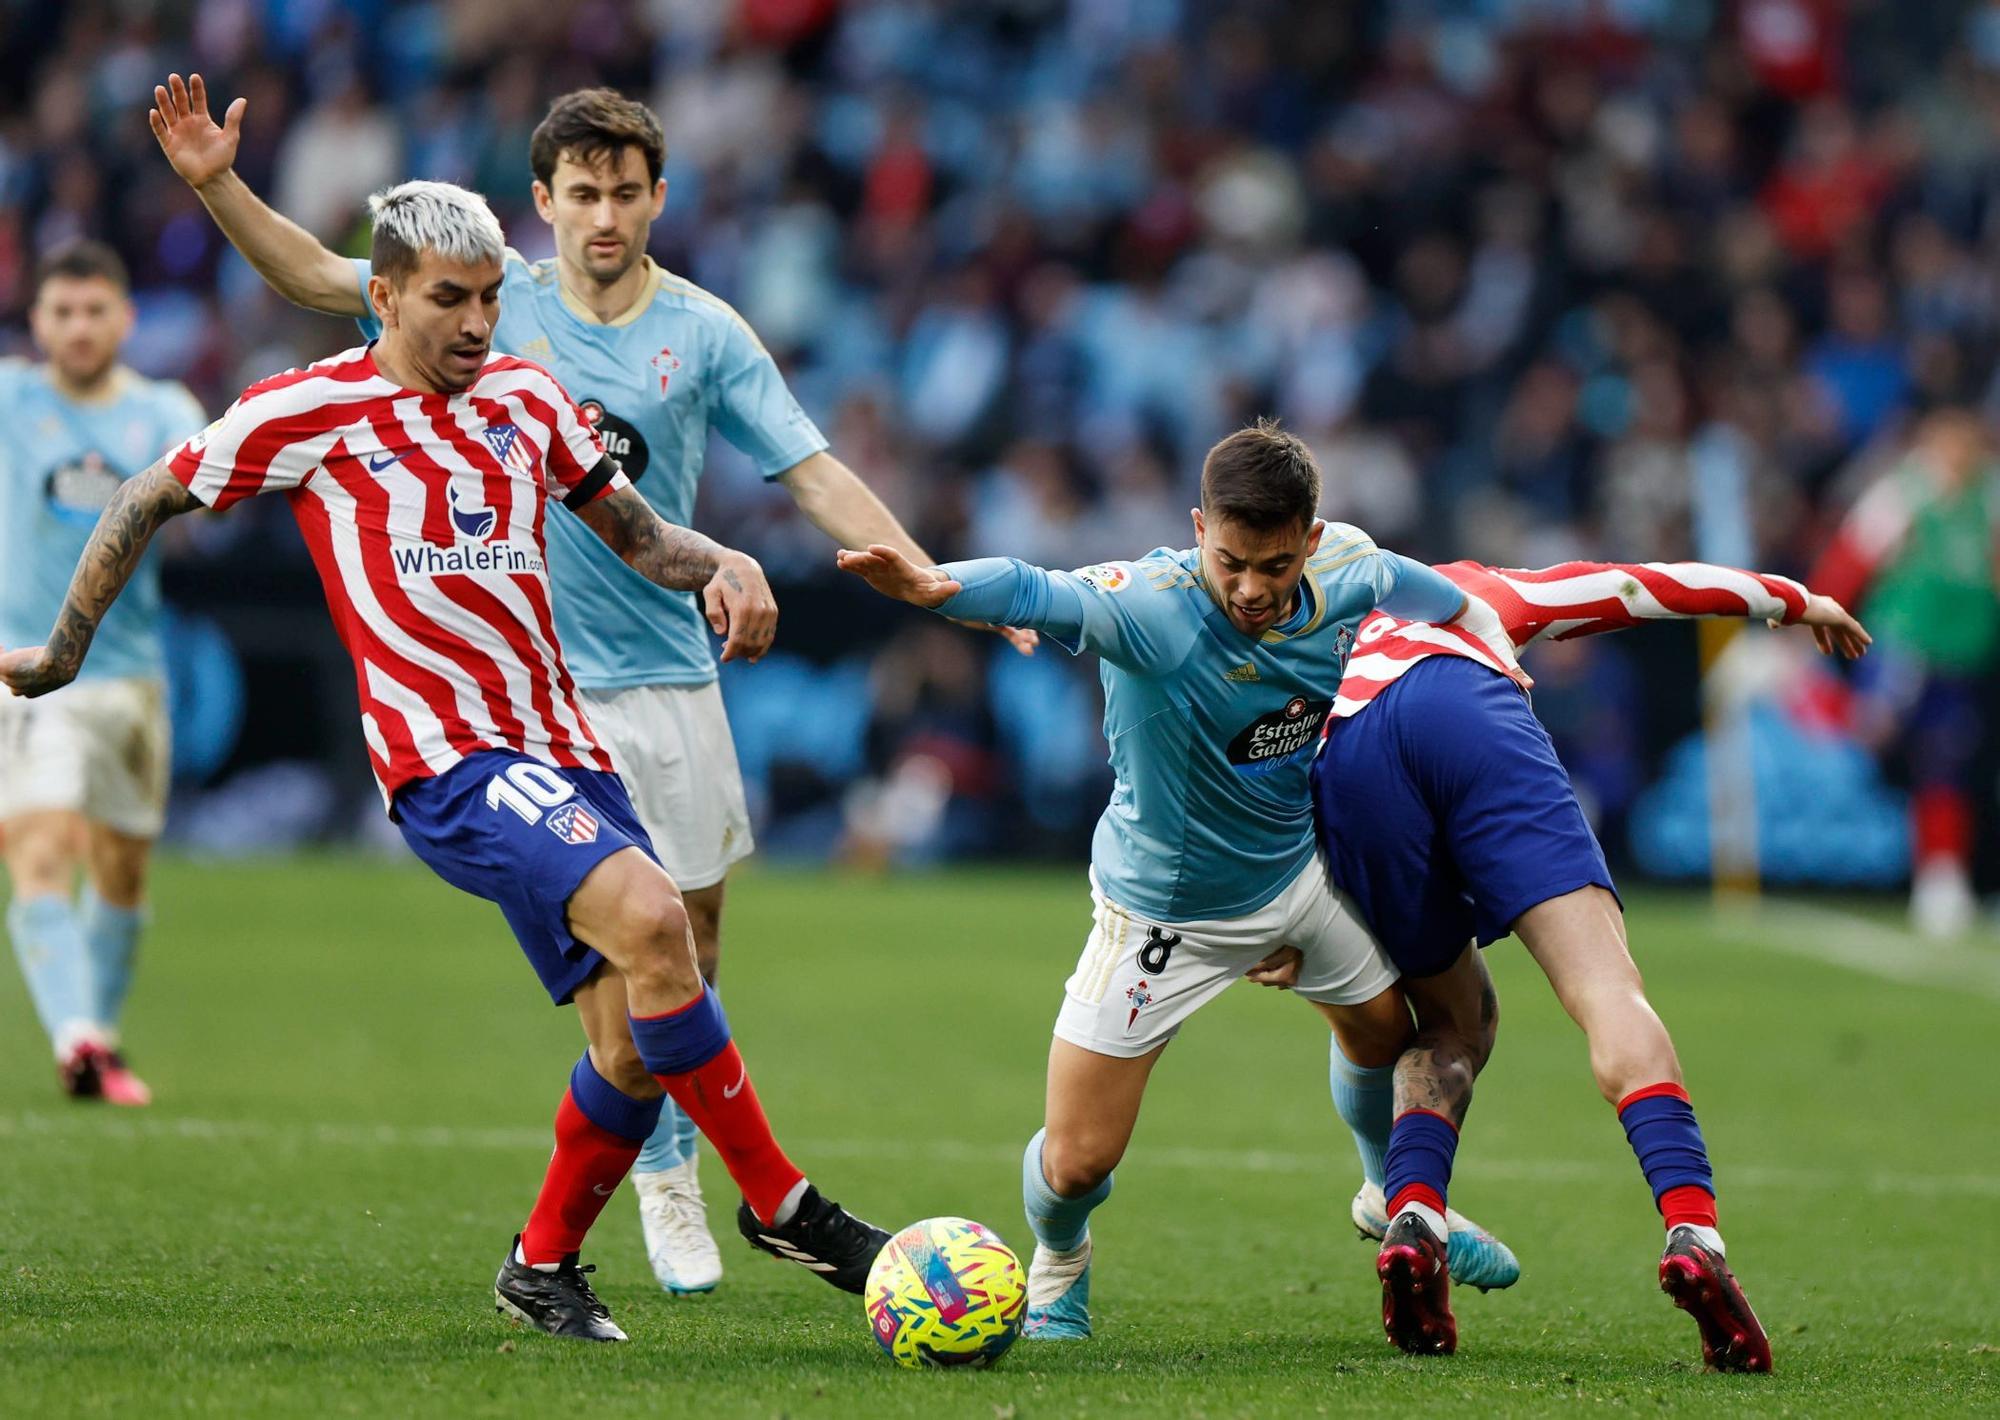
[1865,945]
[952,1151]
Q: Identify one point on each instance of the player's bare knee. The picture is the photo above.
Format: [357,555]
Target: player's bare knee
[657,951]
[39,862]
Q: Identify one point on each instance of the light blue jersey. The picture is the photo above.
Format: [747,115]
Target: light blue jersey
[1211,731]
[654,381]
[60,462]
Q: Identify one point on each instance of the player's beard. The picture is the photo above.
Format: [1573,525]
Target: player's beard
[86,369]
[608,268]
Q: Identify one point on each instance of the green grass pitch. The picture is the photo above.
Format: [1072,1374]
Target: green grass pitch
[356,1077]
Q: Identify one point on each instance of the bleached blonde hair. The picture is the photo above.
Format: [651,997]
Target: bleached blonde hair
[412,218]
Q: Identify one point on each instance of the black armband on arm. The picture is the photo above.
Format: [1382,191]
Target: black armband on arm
[593,483]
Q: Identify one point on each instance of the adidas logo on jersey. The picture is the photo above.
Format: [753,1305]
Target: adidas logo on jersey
[1242,674]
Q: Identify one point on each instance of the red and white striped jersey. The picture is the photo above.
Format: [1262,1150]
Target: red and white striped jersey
[424,515]
[1558,604]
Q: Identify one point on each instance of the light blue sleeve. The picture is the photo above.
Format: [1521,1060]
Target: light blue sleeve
[1420,592]
[371,324]
[1111,609]
[181,415]
[751,407]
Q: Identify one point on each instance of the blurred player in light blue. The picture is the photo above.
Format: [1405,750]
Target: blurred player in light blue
[1220,663]
[83,773]
[657,363]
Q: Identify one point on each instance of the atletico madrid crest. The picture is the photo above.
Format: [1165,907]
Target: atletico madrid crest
[573,823]
[509,447]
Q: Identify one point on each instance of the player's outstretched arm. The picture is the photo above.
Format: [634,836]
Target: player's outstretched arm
[889,571]
[734,594]
[288,257]
[1108,609]
[1590,598]
[127,525]
[846,509]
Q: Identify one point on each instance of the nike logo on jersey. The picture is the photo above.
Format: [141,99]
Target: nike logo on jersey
[1241,674]
[601,1191]
[730,1092]
[376,465]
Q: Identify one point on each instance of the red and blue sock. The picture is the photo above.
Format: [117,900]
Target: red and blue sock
[1417,1169]
[599,1129]
[1660,1125]
[690,1053]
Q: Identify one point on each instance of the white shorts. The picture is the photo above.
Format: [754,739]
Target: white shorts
[100,748]
[1138,981]
[675,754]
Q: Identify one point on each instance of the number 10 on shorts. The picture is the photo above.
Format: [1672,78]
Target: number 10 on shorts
[529,790]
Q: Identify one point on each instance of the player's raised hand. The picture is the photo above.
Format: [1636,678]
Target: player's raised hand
[199,151]
[740,607]
[29,671]
[894,575]
[1835,628]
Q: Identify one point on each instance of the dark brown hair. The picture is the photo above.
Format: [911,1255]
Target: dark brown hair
[1262,477]
[593,124]
[80,260]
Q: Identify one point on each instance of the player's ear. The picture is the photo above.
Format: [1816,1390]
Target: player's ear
[382,296]
[1313,538]
[545,203]
[1200,531]
[659,198]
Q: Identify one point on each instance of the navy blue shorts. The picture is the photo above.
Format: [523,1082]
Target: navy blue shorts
[1445,813]
[524,835]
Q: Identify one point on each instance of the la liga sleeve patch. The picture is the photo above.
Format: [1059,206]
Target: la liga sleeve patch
[1107,576]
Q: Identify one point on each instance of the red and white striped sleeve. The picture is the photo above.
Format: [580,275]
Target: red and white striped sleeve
[574,468]
[269,441]
[1587,598]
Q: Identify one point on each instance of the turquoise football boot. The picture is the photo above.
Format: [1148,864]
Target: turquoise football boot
[1058,1295]
[1477,1258]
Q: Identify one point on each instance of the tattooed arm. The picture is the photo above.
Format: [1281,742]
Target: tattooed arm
[734,594]
[127,525]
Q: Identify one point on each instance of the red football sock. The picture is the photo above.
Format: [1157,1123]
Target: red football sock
[723,1103]
[1687,1204]
[583,1173]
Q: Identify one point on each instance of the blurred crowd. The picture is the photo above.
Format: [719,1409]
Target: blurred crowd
[1537,279]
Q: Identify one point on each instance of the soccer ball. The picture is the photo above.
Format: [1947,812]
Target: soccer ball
[946,1292]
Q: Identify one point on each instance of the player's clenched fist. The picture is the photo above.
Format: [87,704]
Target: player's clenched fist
[31,671]
[894,575]
[740,607]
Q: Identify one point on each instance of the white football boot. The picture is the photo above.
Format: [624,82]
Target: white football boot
[684,1256]
[1059,1294]
[1478,1259]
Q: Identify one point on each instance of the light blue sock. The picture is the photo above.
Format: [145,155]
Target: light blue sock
[49,946]
[687,1135]
[111,936]
[1365,1098]
[666,1146]
[1058,1223]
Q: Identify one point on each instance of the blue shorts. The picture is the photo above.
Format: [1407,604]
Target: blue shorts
[1445,813]
[524,835]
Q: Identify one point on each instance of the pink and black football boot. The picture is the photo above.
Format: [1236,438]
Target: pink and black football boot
[1702,1285]
[1416,1288]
